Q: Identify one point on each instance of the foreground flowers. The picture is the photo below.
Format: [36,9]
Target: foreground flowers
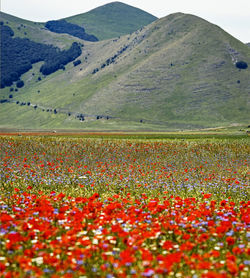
[153,210]
[55,234]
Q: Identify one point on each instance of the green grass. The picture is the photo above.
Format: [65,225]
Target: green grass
[158,136]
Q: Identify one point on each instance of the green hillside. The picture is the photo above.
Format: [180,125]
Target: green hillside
[36,31]
[177,73]
[112,20]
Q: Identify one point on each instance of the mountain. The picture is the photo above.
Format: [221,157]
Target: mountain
[178,72]
[112,20]
[248,44]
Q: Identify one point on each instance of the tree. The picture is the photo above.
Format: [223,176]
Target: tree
[241,65]
[77,62]
[20,84]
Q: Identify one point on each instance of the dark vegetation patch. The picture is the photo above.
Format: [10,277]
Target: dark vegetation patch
[4,100]
[77,62]
[18,55]
[111,60]
[241,65]
[20,84]
[62,26]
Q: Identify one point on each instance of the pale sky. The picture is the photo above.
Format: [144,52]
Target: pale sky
[232,16]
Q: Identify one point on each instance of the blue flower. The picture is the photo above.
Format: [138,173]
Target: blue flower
[148,273]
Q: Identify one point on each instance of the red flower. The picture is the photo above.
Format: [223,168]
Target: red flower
[4,217]
[127,257]
[230,240]
[232,267]
[207,196]
[168,245]
[223,203]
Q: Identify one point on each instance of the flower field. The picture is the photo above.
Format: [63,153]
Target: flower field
[81,207]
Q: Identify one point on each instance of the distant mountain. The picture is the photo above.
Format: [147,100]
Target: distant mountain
[248,44]
[112,20]
[179,72]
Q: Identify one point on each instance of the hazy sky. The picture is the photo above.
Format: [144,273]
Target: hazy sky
[232,16]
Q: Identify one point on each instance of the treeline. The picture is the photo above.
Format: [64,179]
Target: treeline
[62,26]
[18,55]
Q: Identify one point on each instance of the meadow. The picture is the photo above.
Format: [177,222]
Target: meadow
[124,207]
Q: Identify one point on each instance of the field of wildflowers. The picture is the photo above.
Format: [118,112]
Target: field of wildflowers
[74,207]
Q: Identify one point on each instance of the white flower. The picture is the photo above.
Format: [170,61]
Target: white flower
[38,260]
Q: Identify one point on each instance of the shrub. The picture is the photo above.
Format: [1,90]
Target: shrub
[20,84]
[241,65]
[77,62]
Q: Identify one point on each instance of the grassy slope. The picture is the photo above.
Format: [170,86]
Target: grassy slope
[201,86]
[200,89]
[36,31]
[112,20]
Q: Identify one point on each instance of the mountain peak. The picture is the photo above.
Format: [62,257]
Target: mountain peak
[112,20]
